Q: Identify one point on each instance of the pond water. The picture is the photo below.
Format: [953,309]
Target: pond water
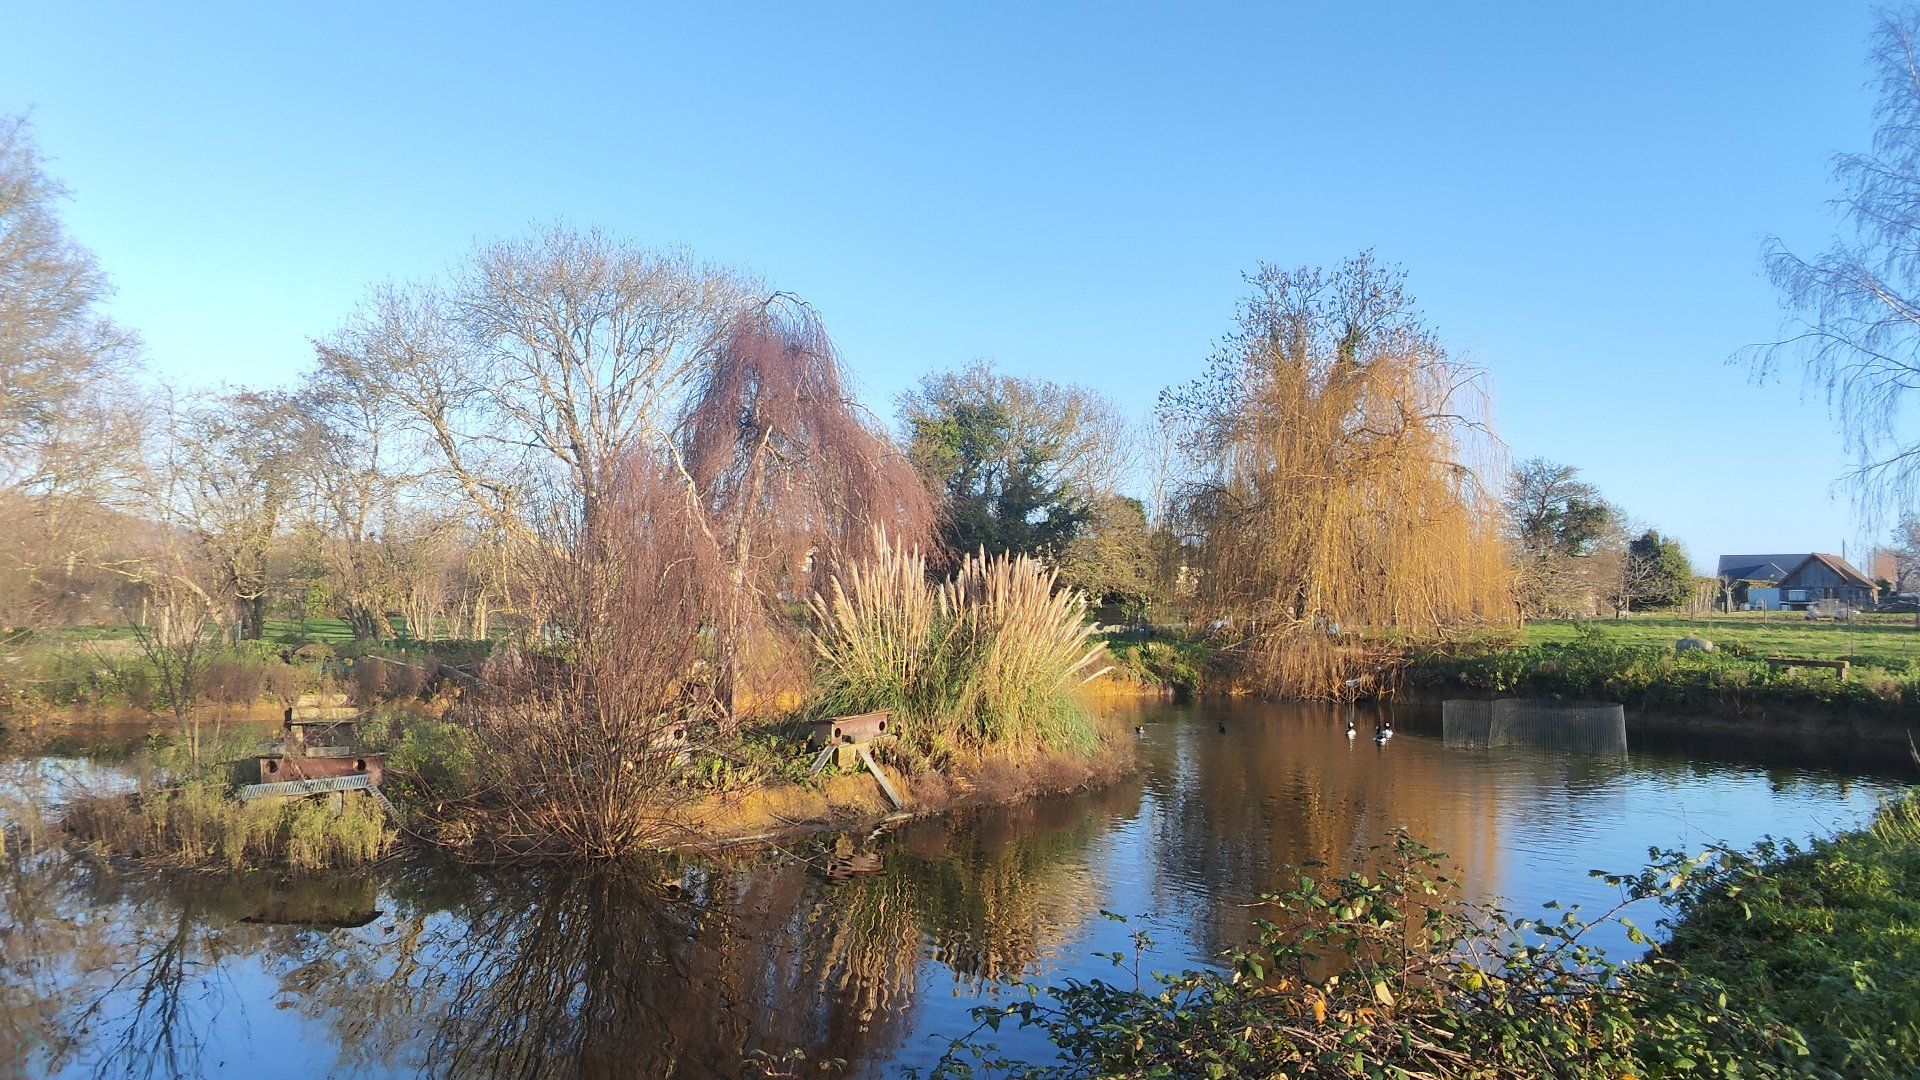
[675,968]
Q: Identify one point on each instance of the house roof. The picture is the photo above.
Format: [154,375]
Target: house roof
[1839,566]
[1759,567]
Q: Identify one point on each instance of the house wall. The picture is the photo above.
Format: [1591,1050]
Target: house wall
[1820,582]
[1762,599]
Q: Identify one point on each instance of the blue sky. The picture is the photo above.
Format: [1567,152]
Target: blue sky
[1579,193]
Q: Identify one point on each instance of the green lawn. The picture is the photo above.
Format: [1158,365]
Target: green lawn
[331,631]
[1887,641]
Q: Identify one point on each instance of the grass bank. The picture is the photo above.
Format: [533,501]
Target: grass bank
[1782,961]
[1174,666]
[1635,661]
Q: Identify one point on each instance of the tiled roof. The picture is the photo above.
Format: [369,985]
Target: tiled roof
[1758,567]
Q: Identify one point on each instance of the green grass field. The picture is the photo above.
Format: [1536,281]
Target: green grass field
[1634,661]
[331,631]
[1884,641]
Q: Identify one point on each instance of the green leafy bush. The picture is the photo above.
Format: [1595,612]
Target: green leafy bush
[1178,663]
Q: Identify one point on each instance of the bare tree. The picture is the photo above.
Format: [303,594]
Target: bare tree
[578,733]
[178,598]
[1636,577]
[357,461]
[56,350]
[238,455]
[1906,554]
[1855,327]
[540,363]
[69,422]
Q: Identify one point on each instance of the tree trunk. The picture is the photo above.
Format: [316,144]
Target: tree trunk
[253,618]
[367,623]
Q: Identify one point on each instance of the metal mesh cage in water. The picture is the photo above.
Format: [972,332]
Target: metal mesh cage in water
[1575,727]
[1578,727]
[1465,724]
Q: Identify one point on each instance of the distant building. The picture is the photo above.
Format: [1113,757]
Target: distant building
[1795,582]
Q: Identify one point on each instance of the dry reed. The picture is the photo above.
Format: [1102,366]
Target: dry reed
[987,661]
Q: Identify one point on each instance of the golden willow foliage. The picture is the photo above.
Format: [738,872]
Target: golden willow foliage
[1335,452]
[989,659]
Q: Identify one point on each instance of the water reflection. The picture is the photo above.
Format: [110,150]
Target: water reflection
[857,948]
[665,969]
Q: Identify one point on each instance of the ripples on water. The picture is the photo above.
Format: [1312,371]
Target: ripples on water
[671,969]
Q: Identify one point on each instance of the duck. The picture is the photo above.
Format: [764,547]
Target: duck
[1139,729]
[1350,732]
[1382,733]
[1223,727]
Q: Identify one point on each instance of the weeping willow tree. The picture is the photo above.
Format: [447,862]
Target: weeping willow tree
[1335,453]
[791,479]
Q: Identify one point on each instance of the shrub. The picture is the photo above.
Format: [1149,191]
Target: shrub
[234,681]
[368,679]
[1178,664]
[1815,946]
[284,683]
[1649,675]
[1358,975]
[424,757]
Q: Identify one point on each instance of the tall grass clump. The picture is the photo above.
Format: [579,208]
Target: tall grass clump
[988,660]
[199,823]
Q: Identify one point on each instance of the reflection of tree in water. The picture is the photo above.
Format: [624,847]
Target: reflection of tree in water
[607,974]
[37,945]
[1283,788]
[121,975]
[995,890]
[594,972]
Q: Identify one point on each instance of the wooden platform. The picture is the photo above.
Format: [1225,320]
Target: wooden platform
[1782,663]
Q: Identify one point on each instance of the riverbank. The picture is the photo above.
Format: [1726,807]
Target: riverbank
[755,788]
[870,948]
[1731,687]
[854,801]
